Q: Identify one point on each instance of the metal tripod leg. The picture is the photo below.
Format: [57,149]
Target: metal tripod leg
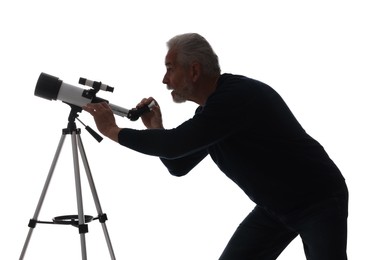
[76,145]
[33,221]
[102,216]
[81,217]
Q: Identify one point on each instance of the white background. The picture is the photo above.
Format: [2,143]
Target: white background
[314,53]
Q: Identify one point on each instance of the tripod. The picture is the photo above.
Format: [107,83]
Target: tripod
[80,221]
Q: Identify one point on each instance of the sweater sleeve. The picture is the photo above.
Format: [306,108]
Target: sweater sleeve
[183,147]
[181,166]
[178,158]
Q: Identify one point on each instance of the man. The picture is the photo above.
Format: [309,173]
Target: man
[253,137]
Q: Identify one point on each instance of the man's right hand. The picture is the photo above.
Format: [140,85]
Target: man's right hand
[153,119]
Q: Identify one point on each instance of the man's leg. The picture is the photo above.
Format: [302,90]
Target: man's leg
[260,236]
[324,230]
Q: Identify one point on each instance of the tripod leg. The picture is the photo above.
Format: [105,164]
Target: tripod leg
[33,221]
[95,196]
[81,217]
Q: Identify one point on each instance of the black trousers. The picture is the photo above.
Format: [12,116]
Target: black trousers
[322,227]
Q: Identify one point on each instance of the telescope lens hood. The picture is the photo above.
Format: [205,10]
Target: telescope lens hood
[48,86]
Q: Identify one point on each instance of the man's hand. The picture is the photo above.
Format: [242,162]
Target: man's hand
[153,119]
[104,119]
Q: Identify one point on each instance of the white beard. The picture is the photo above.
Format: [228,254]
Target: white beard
[182,97]
[177,98]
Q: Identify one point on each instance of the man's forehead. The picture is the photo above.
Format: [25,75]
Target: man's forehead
[170,58]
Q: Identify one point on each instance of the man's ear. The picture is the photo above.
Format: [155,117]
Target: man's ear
[195,71]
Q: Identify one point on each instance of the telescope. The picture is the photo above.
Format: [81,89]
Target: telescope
[52,88]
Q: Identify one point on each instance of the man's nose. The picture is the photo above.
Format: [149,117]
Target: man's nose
[165,80]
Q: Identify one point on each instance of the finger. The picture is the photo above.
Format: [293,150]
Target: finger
[88,108]
[148,101]
[92,107]
[105,105]
[142,103]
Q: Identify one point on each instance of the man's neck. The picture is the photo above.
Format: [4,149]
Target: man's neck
[205,87]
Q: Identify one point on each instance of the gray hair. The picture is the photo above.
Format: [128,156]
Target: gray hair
[192,47]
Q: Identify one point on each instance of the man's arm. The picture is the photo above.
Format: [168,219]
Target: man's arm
[181,166]
[104,119]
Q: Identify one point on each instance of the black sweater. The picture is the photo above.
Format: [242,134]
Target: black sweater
[253,137]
